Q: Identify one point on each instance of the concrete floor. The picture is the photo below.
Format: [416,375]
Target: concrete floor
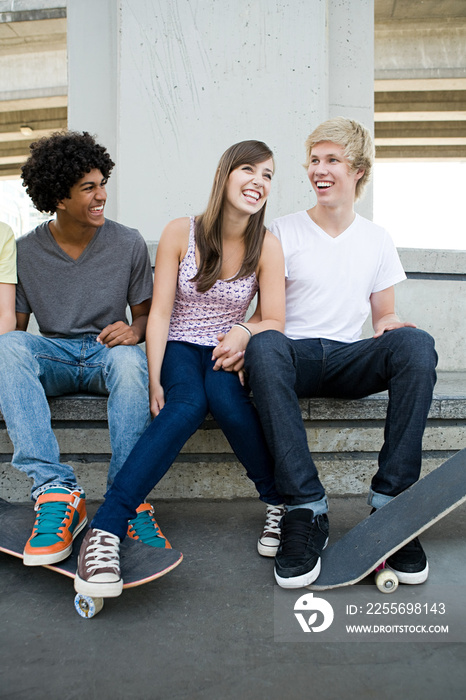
[206,630]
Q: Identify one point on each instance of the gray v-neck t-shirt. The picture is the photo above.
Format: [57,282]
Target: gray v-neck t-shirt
[71,297]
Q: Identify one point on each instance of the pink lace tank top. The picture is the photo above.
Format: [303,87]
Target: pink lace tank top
[199,317]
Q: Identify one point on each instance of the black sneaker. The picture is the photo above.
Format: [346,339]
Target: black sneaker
[304,536]
[410,563]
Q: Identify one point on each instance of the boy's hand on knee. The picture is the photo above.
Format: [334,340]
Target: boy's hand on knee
[393,326]
[118,333]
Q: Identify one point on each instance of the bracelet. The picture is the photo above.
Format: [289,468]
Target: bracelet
[245,328]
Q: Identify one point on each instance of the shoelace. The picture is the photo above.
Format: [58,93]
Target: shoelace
[50,517]
[102,551]
[273,516]
[295,537]
[145,526]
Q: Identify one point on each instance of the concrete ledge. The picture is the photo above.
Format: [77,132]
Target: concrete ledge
[433,262]
[434,298]
[344,437]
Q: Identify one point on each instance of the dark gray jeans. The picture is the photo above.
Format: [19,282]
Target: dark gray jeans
[281,370]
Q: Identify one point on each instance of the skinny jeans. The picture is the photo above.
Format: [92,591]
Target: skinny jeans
[191,388]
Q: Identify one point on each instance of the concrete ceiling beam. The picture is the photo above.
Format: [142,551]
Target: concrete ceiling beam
[9,172]
[421,141]
[407,153]
[419,116]
[421,100]
[36,119]
[37,134]
[419,84]
[33,103]
[14,160]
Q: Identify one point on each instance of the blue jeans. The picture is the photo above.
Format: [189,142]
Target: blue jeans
[280,370]
[192,389]
[33,367]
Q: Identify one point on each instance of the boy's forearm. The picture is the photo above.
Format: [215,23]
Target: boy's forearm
[139,325]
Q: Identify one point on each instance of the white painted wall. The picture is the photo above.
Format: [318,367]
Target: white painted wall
[168,85]
[93,77]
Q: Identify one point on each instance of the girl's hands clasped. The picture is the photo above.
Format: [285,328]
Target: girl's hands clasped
[229,353]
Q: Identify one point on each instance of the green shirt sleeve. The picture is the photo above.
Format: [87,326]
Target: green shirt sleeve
[7,255]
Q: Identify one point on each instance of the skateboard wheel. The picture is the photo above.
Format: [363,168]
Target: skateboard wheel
[86,606]
[386,581]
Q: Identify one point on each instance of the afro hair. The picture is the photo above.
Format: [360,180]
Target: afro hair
[57,162]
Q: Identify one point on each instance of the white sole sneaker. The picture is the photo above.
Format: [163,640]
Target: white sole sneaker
[266,550]
[411,578]
[107,589]
[55,557]
[299,581]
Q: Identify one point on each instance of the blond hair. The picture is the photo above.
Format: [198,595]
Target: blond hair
[354,138]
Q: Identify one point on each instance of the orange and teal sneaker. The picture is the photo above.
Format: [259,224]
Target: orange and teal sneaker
[61,515]
[145,529]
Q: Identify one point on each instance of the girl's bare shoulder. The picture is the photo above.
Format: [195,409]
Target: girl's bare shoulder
[271,244]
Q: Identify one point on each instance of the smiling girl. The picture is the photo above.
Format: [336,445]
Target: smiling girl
[207,271]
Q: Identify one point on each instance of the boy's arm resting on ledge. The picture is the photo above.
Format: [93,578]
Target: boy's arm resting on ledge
[384,317]
[120,333]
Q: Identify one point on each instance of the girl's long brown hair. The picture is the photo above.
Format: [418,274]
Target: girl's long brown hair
[209,224]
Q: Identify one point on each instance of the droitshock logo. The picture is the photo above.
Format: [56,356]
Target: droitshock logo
[309,604]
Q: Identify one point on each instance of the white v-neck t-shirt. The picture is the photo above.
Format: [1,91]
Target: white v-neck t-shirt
[329,281]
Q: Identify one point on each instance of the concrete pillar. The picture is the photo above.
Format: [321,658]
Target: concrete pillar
[93,78]
[351,69]
[169,85]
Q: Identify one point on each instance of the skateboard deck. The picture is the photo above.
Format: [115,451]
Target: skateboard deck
[139,562]
[367,545]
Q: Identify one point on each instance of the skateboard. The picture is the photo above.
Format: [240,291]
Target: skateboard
[365,548]
[140,563]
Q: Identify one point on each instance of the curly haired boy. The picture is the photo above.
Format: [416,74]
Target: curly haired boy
[77,273]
